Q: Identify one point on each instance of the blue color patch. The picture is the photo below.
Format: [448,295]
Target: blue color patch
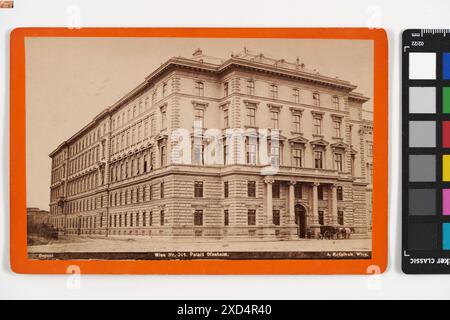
[446,236]
[446,66]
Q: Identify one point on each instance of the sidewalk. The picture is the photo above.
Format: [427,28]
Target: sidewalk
[146,244]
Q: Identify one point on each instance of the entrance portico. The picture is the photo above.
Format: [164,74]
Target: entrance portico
[309,204]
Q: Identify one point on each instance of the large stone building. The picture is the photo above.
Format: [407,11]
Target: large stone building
[250,146]
[36,216]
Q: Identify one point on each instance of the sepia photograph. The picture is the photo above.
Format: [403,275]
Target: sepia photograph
[199,148]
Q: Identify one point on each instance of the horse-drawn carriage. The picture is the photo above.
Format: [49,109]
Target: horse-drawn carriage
[331,232]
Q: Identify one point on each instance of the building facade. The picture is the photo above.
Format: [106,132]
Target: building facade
[36,216]
[250,146]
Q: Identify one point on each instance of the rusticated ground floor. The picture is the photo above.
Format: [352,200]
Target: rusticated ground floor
[216,206]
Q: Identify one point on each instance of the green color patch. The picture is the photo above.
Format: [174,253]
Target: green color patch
[446,100]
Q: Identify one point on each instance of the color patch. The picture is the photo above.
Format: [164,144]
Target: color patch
[446,202]
[446,66]
[446,236]
[446,100]
[422,202]
[422,236]
[422,100]
[422,168]
[446,134]
[422,66]
[422,134]
[446,167]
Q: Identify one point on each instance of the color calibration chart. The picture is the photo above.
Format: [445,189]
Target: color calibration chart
[426,151]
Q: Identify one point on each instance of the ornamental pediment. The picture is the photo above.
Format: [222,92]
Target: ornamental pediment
[276,135]
[299,139]
[320,142]
[339,145]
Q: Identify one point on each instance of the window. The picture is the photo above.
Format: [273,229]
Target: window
[164,89]
[321,218]
[276,217]
[198,189]
[198,218]
[316,99]
[336,102]
[225,89]
[276,190]
[226,218]
[295,95]
[297,157]
[338,162]
[370,172]
[161,189]
[275,154]
[199,88]
[163,119]
[154,98]
[352,164]
[273,94]
[226,119]
[370,150]
[145,164]
[251,117]
[161,217]
[225,189]
[251,189]
[134,111]
[341,218]
[296,120]
[162,151]
[340,193]
[298,191]
[318,159]
[251,151]
[199,115]
[274,119]
[152,125]
[251,217]
[150,218]
[337,129]
[317,126]
[320,192]
[250,87]
[199,149]
[144,219]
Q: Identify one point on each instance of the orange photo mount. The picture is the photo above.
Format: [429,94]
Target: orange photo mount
[290,218]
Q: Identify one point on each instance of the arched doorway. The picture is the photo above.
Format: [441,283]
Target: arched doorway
[300,220]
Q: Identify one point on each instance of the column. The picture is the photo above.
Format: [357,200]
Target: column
[334,210]
[292,200]
[316,203]
[269,206]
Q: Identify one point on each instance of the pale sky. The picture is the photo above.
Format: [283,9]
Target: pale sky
[70,80]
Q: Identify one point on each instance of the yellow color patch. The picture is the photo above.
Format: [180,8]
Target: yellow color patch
[446,168]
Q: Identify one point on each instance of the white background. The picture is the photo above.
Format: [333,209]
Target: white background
[394,16]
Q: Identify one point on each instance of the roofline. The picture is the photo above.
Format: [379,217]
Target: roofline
[356,96]
[181,62]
